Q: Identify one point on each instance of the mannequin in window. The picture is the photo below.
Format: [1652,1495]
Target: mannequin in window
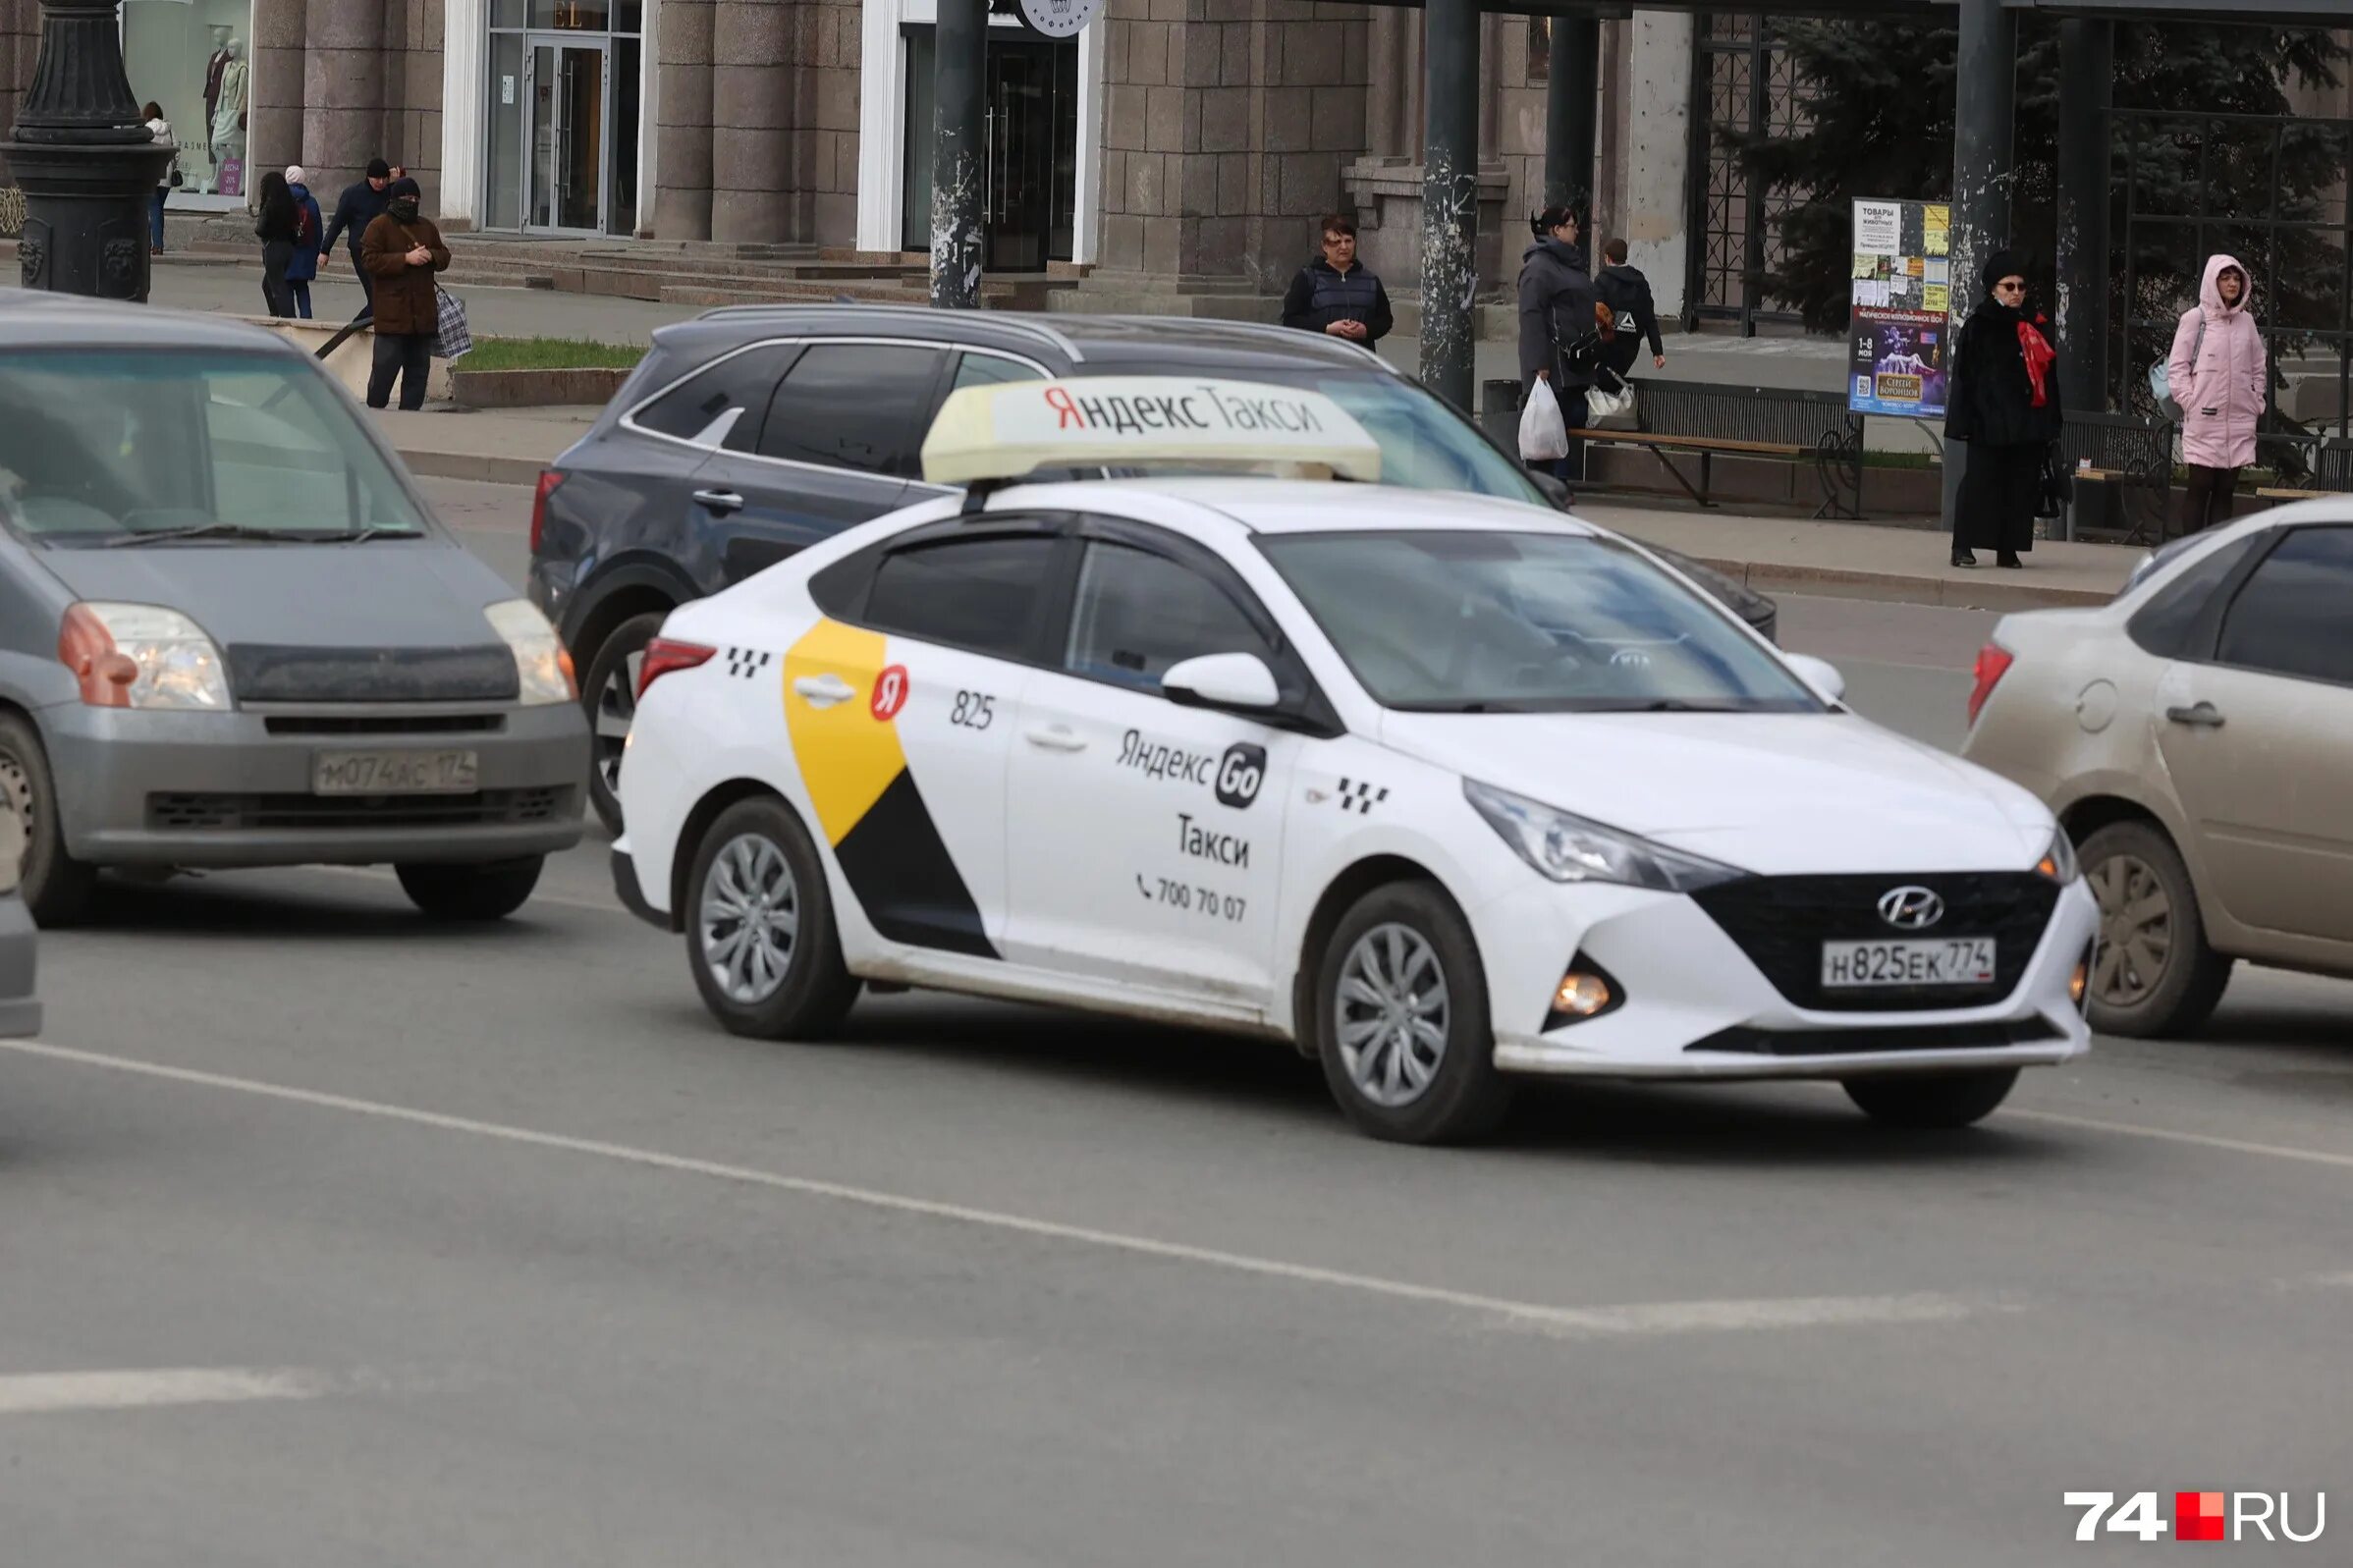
[213,66]
[228,116]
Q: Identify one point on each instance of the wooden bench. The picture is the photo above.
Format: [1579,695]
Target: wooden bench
[1776,422]
[2269,493]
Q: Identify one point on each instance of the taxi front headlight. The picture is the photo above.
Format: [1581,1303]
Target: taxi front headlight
[542,668]
[1571,849]
[2058,862]
[142,655]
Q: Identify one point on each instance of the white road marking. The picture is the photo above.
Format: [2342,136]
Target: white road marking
[1638,1319]
[145,1387]
[2202,1140]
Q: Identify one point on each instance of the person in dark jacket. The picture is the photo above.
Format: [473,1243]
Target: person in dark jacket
[401,251]
[2005,402]
[308,227]
[275,226]
[1627,293]
[1555,320]
[363,203]
[1335,294]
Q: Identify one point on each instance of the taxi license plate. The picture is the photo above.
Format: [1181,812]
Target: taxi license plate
[394,773]
[1942,961]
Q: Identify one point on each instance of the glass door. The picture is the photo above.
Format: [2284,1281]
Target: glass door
[565,130]
[1020,162]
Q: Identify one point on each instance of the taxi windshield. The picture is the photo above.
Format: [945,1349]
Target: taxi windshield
[1475,622]
[134,445]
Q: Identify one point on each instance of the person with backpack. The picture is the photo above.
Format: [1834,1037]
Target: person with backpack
[308,233]
[1627,293]
[2217,374]
[1557,319]
[274,226]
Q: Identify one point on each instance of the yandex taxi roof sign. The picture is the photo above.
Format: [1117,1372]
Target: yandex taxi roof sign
[1013,429]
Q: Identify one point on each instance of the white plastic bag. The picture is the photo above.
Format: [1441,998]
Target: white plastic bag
[1543,438]
[1611,410]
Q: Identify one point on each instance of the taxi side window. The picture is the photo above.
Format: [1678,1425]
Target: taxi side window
[856,405]
[721,404]
[1136,613]
[2170,625]
[2290,618]
[980,595]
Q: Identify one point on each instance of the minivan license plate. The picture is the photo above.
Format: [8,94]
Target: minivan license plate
[1942,961]
[394,773]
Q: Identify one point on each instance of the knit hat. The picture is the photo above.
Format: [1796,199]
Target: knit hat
[294,174]
[1999,265]
[403,187]
[379,169]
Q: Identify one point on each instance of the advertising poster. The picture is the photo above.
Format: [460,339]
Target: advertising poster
[1897,324]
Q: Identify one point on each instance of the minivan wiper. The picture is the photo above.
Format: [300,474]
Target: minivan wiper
[360,536]
[201,530]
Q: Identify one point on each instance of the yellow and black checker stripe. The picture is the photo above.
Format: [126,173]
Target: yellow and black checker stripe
[868,805]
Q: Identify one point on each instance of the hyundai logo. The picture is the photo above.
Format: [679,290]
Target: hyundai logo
[1911,908]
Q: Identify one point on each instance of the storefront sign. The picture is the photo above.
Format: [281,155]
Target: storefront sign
[1059,19]
[1898,335]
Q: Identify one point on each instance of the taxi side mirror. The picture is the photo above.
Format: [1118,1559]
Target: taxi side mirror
[1237,681]
[1819,674]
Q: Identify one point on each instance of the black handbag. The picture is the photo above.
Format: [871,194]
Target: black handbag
[2059,485]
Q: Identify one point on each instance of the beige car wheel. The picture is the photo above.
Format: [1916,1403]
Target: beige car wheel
[2152,971]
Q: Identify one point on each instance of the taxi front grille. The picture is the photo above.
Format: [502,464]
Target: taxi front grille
[1857,1042]
[188,812]
[1781,923]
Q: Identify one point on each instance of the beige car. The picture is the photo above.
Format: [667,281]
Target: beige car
[2194,737]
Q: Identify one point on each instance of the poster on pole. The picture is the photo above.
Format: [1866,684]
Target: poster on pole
[1898,341]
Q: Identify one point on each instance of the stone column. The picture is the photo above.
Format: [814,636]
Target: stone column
[274,123]
[682,171]
[1656,215]
[752,94]
[343,90]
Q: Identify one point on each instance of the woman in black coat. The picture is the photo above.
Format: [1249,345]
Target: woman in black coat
[2005,405]
[275,226]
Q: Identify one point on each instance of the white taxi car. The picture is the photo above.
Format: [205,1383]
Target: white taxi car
[1442,790]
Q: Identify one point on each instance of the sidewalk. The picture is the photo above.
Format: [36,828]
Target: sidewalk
[1775,555]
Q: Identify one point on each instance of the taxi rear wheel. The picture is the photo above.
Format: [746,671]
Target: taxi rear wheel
[1932,1100]
[1402,1021]
[2152,973]
[490,891]
[57,889]
[610,694]
[760,932]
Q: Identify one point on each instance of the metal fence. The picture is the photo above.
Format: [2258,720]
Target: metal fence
[1743,84]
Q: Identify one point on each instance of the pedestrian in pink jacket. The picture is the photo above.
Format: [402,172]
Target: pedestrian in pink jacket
[2218,374]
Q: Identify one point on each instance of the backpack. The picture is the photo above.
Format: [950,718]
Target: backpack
[303,224]
[2161,374]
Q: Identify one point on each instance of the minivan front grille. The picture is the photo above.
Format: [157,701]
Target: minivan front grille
[186,812]
[425,724]
[275,673]
[1781,923]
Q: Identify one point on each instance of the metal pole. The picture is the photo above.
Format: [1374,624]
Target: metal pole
[1451,200]
[958,174]
[1569,103]
[2086,83]
[84,160]
[1985,98]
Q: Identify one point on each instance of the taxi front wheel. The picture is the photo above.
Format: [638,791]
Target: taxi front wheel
[760,933]
[1933,1100]
[1402,1021]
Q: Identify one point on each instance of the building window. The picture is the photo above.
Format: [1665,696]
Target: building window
[194,59]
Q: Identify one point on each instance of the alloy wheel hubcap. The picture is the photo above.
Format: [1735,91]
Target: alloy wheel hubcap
[1391,1014]
[2136,930]
[615,709]
[750,920]
[16,794]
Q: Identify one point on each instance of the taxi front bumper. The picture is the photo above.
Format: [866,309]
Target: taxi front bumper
[228,789]
[1692,1003]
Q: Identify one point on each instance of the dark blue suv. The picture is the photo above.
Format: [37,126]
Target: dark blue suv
[754,430]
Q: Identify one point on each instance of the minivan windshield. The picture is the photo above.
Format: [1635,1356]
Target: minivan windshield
[135,446]
[1462,621]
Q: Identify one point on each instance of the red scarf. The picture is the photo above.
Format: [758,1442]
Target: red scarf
[2037,353]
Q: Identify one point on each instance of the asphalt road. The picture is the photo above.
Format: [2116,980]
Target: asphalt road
[327,1238]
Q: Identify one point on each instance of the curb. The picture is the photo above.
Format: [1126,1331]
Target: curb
[480,468]
[1889,587]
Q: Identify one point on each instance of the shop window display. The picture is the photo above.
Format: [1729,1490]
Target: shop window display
[194,59]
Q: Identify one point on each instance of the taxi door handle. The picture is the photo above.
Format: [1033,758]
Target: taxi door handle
[720,501]
[2205,715]
[823,692]
[1054,738]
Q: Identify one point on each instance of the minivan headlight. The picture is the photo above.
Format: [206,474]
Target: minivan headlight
[1571,849]
[141,656]
[542,667]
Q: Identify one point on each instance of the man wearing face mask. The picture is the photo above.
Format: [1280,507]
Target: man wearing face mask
[402,251]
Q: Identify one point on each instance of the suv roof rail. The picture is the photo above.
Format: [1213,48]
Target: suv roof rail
[1006,319]
[1273,329]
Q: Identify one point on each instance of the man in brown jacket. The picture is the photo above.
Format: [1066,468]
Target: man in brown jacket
[402,251]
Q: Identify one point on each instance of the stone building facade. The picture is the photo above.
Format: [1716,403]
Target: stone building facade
[1187,145]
